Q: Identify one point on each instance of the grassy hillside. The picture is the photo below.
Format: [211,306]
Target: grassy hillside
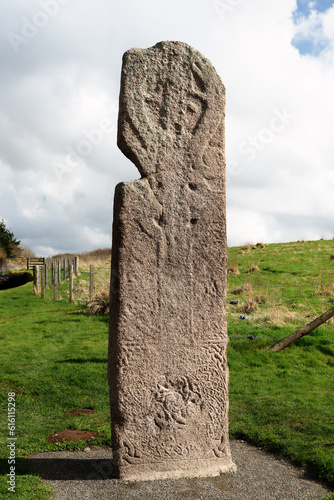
[54,357]
[287,281]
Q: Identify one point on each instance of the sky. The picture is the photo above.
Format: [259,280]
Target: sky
[60,76]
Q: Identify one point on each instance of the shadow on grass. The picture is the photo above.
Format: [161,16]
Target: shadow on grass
[80,312]
[62,469]
[81,360]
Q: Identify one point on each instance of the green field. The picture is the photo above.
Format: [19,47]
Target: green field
[53,355]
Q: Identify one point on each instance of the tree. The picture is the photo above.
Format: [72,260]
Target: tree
[8,242]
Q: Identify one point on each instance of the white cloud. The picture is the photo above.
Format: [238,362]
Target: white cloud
[315,31]
[64,82]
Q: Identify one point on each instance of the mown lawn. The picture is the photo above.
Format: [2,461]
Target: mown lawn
[53,355]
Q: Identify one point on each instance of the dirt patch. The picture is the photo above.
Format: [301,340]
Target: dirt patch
[81,411]
[71,435]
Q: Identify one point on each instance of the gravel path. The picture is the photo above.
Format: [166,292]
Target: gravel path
[87,475]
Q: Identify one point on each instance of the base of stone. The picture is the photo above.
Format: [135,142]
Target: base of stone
[175,469]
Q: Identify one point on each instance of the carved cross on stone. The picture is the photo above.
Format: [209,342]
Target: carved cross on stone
[168,372]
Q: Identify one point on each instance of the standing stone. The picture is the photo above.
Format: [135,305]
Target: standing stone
[168,372]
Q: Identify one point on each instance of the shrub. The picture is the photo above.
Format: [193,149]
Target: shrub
[233,269]
[249,307]
[3,254]
[324,290]
[12,280]
[98,305]
[253,269]
[247,287]
[260,298]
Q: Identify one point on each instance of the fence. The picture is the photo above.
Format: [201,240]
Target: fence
[318,292]
[18,263]
[35,261]
[257,304]
[249,297]
[53,272]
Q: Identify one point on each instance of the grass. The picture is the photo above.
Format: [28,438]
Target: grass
[294,277]
[54,357]
[284,401]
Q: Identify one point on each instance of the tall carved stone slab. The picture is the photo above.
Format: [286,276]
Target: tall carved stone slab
[168,371]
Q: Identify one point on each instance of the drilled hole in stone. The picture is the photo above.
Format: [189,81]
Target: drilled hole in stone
[192,186]
[193,221]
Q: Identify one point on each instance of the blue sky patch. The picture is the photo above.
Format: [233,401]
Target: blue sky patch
[307,46]
[312,42]
[304,7]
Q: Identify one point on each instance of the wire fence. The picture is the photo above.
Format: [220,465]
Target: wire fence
[279,304]
[259,305]
[61,278]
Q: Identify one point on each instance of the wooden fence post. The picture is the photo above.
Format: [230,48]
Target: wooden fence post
[36,280]
[28,263]
[43,282]
[45,268]
[55,289]
[58,271]
[91,283]
[71,283]
[76,265]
